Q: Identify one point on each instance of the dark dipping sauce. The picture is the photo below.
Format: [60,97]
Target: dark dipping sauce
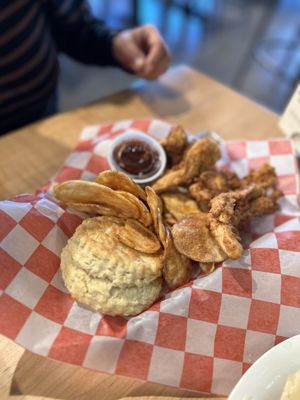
[137,158]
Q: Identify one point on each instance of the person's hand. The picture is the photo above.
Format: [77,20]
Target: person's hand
[142,51]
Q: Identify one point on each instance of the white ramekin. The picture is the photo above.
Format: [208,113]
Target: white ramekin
[136,134]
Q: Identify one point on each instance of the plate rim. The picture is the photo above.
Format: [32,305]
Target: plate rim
[260,361]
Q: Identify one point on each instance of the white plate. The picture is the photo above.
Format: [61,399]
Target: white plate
[265,379]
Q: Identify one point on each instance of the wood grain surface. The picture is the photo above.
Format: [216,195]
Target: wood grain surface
[162,398]
[31,155]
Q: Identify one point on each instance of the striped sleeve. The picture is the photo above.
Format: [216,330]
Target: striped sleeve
[28,63]
[79,34]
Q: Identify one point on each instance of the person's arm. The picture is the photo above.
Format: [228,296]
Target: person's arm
[78,34]
[140,50]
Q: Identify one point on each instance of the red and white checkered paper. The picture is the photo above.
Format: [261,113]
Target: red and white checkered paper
[200,337]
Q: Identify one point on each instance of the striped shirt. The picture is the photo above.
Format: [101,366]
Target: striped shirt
[32,32]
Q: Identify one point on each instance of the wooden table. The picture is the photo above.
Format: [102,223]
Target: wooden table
[28,158]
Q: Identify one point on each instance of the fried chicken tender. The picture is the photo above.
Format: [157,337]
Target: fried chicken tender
[199,157]
[229,209]
[264,177]
[216,181]
[175,144]
[212,183]
[232,207]
[263,205]
[171,179]
[233,181]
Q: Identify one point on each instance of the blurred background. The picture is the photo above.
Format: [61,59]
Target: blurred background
[251,45]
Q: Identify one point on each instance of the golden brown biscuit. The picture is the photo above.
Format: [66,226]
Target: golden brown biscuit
[105,274]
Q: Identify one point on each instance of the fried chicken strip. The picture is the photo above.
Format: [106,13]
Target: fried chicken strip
[199,157]
[232,207]
[212,183]
[229,209]
[264,177]
[175,144]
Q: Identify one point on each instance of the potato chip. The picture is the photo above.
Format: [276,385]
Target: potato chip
[94,193]
[207,268]
[179,205]
[136,236]
[144,213]
[161,228]
[96,209]
[119,181]
[227,237]
[156,210]
[177,268]
[169,219]
[193,239]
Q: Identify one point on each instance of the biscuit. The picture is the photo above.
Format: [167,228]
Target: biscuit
[105,274]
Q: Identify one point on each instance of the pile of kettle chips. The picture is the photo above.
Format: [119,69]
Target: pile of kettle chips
[138,239]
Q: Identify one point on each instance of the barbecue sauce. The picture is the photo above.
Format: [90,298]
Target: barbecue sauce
[137,157]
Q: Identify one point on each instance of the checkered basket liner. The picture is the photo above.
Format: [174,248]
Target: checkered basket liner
[200,337]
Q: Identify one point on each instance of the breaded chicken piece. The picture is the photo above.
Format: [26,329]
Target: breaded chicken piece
[175,144]
[264,177]
[199,157]
[212,183]
[229,209]
[265,204]
[232,207]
